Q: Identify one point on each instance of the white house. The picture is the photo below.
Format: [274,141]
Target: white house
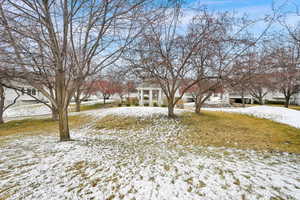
[25,93]
[151,93]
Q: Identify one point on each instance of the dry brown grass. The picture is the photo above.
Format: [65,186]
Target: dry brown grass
[122,123]
[37,126]
[239,131]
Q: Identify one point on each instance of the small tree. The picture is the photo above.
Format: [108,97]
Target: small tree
[202,91]
[129,87]
[105,87]
[287,74]
[260,85]
[82,93]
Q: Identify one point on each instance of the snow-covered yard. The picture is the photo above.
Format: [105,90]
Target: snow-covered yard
[140,164]
[277,114]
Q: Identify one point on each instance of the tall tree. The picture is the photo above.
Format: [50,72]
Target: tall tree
[54,43]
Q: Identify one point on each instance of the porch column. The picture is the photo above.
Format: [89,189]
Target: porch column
[150,98]
[159,97]
[142,98]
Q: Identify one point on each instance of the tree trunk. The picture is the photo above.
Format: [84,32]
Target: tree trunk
[2,99]
[77,108]
[243,99]
[198,105]
[171,110]
[61,93]
[55,116]
[261,102]
[63,125]
[104,98]
[287,102]
[1,117]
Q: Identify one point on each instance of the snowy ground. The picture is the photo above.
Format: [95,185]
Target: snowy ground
[277,114]
[142,164]
[37,109]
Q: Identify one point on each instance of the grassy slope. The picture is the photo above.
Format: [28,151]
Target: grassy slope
[122,123]
[222,130]
[209,129]
[34,126]
[240,131]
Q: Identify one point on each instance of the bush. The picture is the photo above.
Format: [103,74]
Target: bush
[146,104]
[128,104]
[164,105]
[155,104]
[120,105]
[275,102]
[136,104]
[133,100]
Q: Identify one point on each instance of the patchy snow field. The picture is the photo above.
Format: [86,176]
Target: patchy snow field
[277,114]
[142,164]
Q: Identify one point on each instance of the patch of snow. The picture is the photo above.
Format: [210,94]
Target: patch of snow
[95,102]
[278,114]
[27,110]
[189,104]
[38,109]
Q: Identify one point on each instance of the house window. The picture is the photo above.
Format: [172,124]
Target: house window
[28,91]
[33,92]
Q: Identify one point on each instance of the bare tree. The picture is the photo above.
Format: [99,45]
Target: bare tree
[202,91]
[83,92]
[260,85]
[105,88]
[55,42]
[165,55]
[287,72]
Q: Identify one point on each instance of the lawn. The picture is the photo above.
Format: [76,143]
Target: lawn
[239,131]
[221,129]
[39,126]
[217,129]
[138,153]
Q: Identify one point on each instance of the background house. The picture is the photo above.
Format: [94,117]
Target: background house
[150,93]
[27,94]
